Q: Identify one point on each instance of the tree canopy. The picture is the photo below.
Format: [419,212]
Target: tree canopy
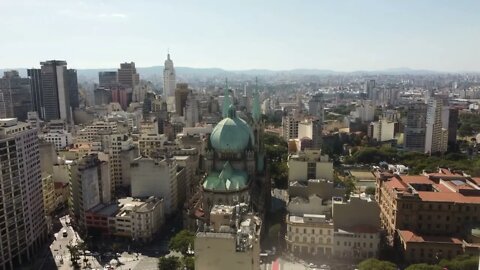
[374,264]
[181,241]
[169,263]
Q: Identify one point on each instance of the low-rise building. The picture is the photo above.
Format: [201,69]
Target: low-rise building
[232,241]
[309,164]
[356,242]
[429,212]
[134,218]
[309,235]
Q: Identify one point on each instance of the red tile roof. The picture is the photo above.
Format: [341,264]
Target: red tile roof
[409,236]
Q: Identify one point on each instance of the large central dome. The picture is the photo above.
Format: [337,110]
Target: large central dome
[232,134]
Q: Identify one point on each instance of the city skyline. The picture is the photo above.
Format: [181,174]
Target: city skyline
[346,36]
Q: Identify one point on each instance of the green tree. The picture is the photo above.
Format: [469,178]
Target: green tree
[374,264]
[169,263]
[463,262]
[423,266]
[189,263]
[181,241]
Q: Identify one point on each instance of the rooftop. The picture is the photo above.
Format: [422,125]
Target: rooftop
[409,236]
[443,186]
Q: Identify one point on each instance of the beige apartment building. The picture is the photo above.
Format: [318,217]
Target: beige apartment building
[309,234]
[309,164]
[429,216]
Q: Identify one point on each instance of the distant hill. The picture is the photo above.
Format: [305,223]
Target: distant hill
[156,72]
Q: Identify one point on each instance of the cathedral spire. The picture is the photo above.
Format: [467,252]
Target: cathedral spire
[226,100]
[256,113]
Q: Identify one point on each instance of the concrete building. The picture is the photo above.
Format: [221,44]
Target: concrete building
[61,139]
[312,204]
[309,234]
[365,111]
[106,78]
[155,177]
[415,127]
[290,125]
[427,217]
[357,228]
[127,75]
[436,137]
[48,191]
[309,164]
[149,144]
[87,187]
[169,80]
[232,241]
[192,111]
[316,106]
[22,222]
[382,130]
[138,219]
[102,96]
[181,95]
[17,101]
[51,90]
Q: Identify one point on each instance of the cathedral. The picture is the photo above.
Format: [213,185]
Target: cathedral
[235,164]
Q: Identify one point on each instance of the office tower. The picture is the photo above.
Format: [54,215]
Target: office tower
[317,129]
[51,90]
[181,94]
[415,127]
[22,221]
[450,122]
[102,96]
[106,78]
[36,92]
[370,89]
[127,75]
[192,111]
[435,136]
[6,109]
[169,79]
[17,90]
[73,88]
[119,95]
[315,106]
[56,99]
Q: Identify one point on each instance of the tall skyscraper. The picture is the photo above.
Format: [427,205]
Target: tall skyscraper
[436,137]
[106,78]
[56,99]
[36,90]
[181,94]
[415,127]
[73,88]
[18,93]
[315,106]
[370,89]
[192,111]
[22,222]
[51,88]
[127,75]
[169,79]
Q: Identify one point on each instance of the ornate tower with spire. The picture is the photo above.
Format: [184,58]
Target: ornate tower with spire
[226,100]
[169,78]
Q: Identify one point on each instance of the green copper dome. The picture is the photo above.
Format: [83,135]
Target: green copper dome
[232,134]
[228,179]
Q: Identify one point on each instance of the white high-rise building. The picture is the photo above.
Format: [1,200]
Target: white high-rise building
[23,228]
[169,80]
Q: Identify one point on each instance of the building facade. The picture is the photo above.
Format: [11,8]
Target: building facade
[22,223]
[169,78]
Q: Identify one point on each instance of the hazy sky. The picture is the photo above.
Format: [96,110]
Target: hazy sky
[339,35]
